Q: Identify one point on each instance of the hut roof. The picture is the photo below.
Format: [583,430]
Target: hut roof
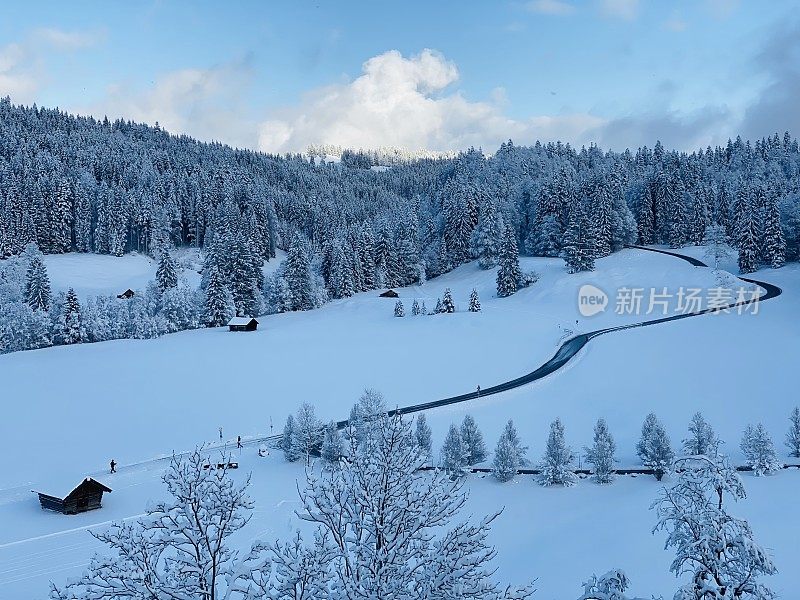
[62,490]
[241,320]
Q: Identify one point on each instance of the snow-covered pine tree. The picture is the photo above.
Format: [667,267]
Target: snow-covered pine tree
[601,453]
[219,306]
[423,436]
[578,249]
[702,439]
[166,274]
[545,238]
[439,307]
[509,273]
[290,450]
[759,451]
[448,306]
[774,243]
[486,238]
[415,310]
[299,275]
[654,447]
[72,320]
[332,444]
[747,240]
[454,455]
[474,301]
[556,466]
[472,441]
[61,218]
[423,310]
[37,285]
[399,310]
[793,435]
[509,455]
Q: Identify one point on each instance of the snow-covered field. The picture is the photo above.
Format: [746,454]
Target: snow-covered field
[132,400]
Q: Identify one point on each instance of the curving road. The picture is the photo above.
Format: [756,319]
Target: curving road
[573,345]
[563,355]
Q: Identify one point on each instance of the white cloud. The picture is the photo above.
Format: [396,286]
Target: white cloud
[23,69]
[404,102]
[205,103]
[675,23]
[550,7]
[627,10]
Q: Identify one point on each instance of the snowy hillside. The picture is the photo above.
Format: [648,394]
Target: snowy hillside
[133,400]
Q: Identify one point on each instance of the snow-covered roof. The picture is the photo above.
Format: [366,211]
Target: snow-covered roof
[241,320]
[63,487]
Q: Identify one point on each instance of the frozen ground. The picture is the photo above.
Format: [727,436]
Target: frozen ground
[133,400]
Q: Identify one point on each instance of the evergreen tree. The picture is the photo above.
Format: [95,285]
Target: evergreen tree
[454,455]
[423,309]
[37,285]
[759,451]
[332,444]
[509,273]
[654,447]
[601,454]
[485,243]
[578,250]
[439,307]
[399,311]
[747,241]
[545,238]
[701,438]
[290,450]
[716,242]
[219,305]
[299,276]
[72,320]
[166,275]
[474,302]
[447,302]
[509,455]
[472,441]
[415,308]
[556,466]
[423,435]
[773,240]
[793,435]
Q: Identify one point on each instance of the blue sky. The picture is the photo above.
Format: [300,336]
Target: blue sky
[439,75]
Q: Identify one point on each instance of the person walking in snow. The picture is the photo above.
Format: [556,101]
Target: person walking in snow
[220,434]
[113,466]
[239,441]
[479,390]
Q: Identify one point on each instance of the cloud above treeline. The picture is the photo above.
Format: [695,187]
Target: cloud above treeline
[410,101]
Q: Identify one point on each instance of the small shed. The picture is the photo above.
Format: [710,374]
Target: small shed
[243,324]
[126,295]
[87,495]
[389,294]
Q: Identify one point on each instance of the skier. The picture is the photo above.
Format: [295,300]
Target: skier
[239,441]
[113,466]
[220,434]
[479,390]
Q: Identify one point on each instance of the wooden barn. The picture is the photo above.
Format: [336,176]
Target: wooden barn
[389,294]
[242,324]
[126,295]
[88,495]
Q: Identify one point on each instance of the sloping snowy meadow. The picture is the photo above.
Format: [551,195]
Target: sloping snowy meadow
[134,400]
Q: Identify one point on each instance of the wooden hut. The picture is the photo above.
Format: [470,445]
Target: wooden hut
[389,294]
[242,324]
[88,495]
[126,295]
